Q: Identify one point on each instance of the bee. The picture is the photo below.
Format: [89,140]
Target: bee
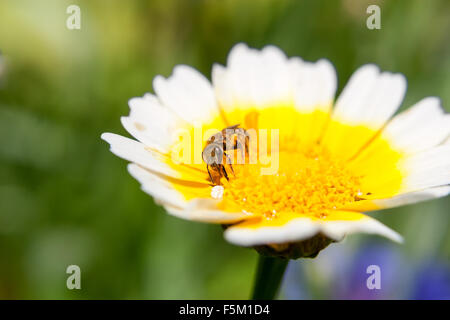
[215,152]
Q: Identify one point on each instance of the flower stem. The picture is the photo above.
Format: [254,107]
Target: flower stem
[268,277]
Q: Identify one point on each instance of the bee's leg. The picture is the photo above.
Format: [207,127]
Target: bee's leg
[210,176]
[219,167]
[225,173]
[230,163]
[247,142]
[236,143]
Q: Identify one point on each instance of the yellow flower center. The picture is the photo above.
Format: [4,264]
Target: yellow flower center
[317,173]
[310,183]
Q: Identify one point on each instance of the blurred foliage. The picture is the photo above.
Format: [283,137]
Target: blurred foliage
[64,199]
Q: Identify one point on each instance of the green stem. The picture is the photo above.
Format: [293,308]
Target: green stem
[268,277]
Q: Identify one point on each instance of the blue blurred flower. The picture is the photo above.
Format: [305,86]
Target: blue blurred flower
[433,282]
[352,282]
[346,273]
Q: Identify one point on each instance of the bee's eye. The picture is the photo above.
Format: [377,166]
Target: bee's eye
[212,154]
[218,152]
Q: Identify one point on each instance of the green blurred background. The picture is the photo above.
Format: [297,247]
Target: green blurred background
[65,199]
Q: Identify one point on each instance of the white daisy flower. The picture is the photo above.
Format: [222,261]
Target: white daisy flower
[334,159]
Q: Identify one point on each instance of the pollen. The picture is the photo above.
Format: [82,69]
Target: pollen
[217,192]
[308,183]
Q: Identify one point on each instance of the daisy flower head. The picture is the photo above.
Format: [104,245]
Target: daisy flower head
[267,151]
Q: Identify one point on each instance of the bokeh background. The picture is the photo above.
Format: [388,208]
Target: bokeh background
[65,199]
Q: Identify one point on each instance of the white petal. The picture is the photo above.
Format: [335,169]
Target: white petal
[400,200]
[222,86]
[137,152]
[187,93]
[151,123]
[203,210]
[242,67]
[272,74]
[421,127]
[205,216]
[303,228]
[156,187]
[199,209]
[266,78]
[295,230]
[253,78]
[426,169]
[314,84]
[206,210]
[370,97]
[337,230]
